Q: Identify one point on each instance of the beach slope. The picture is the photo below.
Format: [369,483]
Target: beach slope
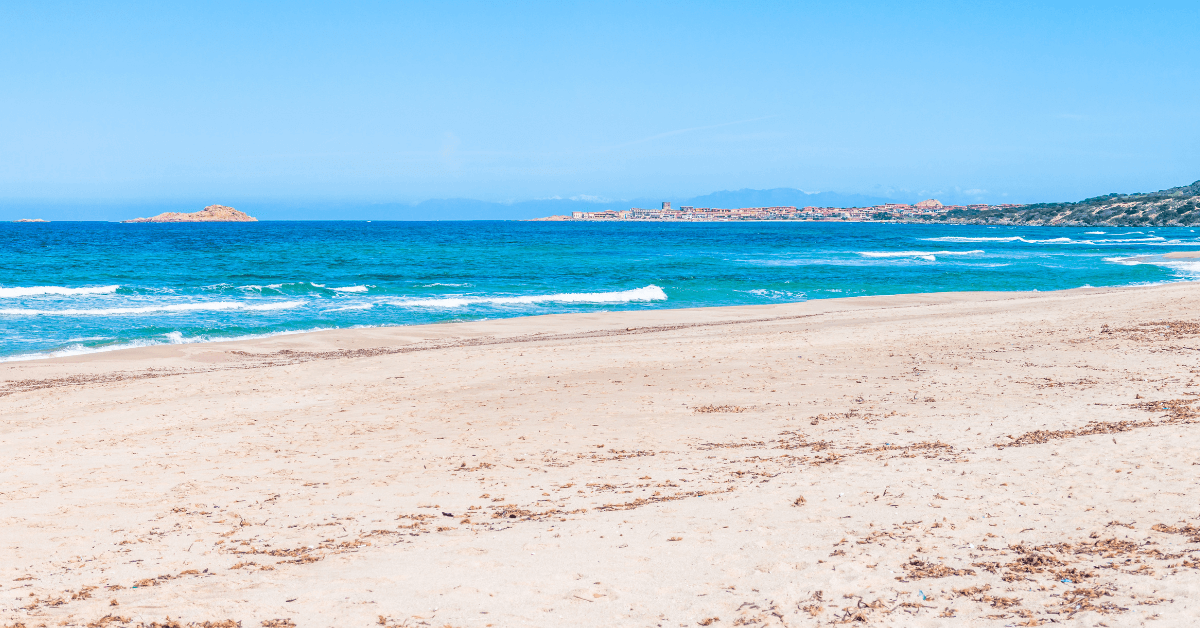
[947,459]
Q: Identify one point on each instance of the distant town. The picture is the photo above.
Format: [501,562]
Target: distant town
[930,209]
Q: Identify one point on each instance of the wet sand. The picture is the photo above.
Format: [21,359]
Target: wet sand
[947,459]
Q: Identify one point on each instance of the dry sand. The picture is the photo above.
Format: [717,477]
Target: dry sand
[1182,255]
[967,459]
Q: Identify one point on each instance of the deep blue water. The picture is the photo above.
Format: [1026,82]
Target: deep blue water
[77,287]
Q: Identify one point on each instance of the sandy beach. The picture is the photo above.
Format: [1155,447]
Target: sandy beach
[944,460]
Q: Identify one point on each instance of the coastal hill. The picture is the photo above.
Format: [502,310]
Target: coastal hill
[1179,206]
[212,213]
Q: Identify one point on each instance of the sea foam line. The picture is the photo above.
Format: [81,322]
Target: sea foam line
[992,239]
[32,291]
[172,338]
[929,256]
[1049,241]
[351,308]
[1189,267]
[212,306]
[647,293]
[325,287]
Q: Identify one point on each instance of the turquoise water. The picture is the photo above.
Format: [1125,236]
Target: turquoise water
[70,288]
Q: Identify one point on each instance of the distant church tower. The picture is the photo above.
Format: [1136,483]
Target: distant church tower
[666,206]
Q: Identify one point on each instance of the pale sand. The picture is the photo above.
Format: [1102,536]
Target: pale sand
[1182,255]
[587,489]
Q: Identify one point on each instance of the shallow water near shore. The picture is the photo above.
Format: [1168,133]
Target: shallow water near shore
[68,288]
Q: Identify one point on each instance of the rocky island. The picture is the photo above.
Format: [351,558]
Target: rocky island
[212,213]
[31,220]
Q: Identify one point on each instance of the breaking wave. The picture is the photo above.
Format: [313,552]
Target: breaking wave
[929,256]
[648,293]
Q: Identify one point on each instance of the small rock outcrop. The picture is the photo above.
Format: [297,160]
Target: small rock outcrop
[932,203]
[212,213]
[31,220]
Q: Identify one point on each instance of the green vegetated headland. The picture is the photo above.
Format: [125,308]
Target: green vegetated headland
[1178,206]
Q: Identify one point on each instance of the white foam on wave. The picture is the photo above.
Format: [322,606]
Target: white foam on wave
[980,239]
[929,256]
[774,294]
[1149,240]
[279,286]
[350,308]
[254,287]
[210,306]
[1183,268]
[1175,243]
[647,293]
[997,239]
[33,291]
[1188,268]
[78,349]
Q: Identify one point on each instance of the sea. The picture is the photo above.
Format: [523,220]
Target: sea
[69,288]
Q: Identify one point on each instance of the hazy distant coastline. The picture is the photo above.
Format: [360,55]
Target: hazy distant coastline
[1174,207]
[1169,207]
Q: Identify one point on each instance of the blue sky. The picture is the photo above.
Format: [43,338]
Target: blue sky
[400,102]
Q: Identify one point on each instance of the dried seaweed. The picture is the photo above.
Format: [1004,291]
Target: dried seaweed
[918,569]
